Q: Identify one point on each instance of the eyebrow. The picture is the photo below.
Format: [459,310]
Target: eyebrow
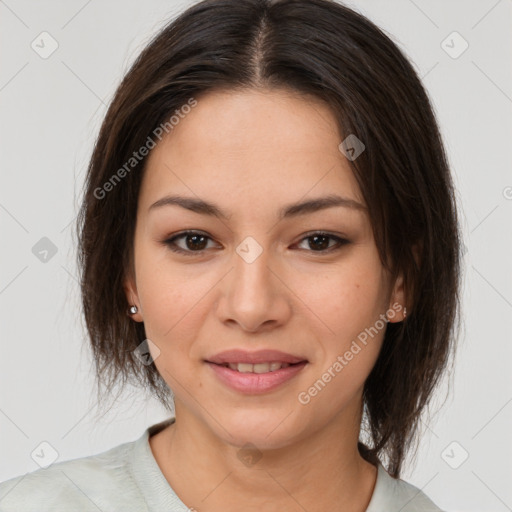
[288,211]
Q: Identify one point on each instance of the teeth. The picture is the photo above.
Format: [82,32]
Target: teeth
[244,368]
[257,368]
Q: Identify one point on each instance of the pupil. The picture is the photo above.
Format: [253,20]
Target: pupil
[194,245]
[315,239]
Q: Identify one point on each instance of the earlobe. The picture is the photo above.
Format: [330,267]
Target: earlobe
[133,307]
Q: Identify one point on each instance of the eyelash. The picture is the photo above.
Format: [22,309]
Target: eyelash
[170,242]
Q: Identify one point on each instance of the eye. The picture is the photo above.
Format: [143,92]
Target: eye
[197,242]
[320,242]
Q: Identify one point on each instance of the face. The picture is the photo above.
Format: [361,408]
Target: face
[258,272]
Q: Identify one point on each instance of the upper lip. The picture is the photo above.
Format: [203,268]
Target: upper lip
[259,356]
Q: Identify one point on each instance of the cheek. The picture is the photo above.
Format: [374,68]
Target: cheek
[170,303]
[350,301]
[348,297]
[349,352]
[166,292]
[175,302]
[171,308]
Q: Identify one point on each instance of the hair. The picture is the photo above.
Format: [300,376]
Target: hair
[320,49]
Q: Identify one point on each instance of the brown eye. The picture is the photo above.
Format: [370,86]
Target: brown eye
[321,242]
[193,242]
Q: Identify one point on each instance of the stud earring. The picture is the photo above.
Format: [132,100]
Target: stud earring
[133,310]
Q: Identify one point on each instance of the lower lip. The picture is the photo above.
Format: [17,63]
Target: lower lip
[255,383]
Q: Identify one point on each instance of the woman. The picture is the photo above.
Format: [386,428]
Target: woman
[270,202]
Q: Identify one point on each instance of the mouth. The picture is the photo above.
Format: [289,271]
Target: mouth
[259,367]
[255,372]
[255,358]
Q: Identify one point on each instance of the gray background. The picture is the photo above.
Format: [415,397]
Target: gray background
[51,110]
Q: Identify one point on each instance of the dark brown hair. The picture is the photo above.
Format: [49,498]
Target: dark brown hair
[316,48]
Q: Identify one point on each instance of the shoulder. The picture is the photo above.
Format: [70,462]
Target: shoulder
[393,494]
[97,482]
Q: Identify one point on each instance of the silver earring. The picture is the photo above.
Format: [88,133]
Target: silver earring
[133,310]
[405,312]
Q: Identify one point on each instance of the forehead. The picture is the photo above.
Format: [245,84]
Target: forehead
[251,144]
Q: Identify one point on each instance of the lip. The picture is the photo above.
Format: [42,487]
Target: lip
[255,383]
[259,356]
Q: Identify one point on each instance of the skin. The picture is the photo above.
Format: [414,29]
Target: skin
[251,153]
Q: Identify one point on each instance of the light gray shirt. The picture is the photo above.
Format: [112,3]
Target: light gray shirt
[127,478]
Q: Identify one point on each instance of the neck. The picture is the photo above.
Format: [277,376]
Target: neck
[312,473]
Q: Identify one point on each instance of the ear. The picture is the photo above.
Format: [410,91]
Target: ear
[132,297]
[397,301]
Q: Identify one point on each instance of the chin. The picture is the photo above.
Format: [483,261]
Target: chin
[265,429]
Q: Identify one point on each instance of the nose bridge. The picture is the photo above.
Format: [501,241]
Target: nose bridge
[251,273]
[253,295]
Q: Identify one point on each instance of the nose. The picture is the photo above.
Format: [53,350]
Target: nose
[254,295]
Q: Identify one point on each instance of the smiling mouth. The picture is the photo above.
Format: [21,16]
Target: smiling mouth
[256,378]
[258,367]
